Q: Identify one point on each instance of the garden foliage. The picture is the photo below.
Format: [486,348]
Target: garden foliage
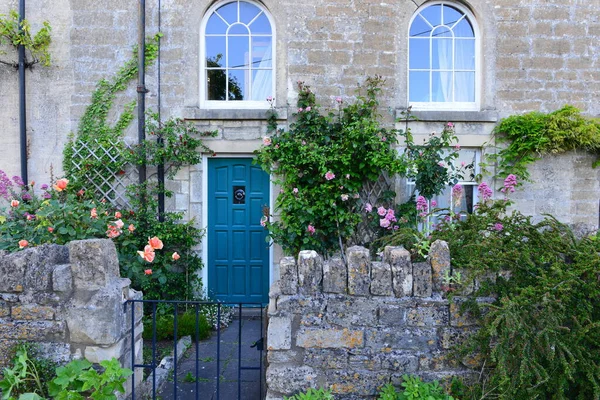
[15,34]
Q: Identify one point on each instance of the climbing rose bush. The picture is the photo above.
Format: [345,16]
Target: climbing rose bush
[321,164]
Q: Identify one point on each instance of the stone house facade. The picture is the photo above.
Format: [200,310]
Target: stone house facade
[513,56]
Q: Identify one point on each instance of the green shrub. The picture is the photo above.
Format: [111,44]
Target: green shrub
[413,388]
[186,326]
[312,394]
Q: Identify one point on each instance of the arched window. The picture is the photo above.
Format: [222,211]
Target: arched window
[237,56]
[443,58]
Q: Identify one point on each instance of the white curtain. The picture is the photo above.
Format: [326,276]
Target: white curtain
[464,81]
[444,56]
[262,86]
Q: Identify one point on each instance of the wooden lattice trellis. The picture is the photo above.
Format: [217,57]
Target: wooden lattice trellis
[110,174]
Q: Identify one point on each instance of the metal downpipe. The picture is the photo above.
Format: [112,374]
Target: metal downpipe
[22,102]
[141,87]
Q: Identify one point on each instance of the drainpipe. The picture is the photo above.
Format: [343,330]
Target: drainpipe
[161,167]
[141,87]
[22,115]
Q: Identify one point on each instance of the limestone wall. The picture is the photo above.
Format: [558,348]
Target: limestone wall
[70,300]
[354,327]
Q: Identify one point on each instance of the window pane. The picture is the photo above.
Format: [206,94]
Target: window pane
[441,53]
[465,86]
[238,29]
[442,31]
[262,85]
[215,25]
[463,29]
[229,12]
[418,54]
[419,27]
[248,12]
[441,89]
[261,52]
[238,84]
[465,164]
[261,25]
[419,86]
[433,14]
[215,51]
[215,83]
[238,51]
[464,54]
[451,15]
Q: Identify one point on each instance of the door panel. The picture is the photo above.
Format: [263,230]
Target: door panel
[238,254]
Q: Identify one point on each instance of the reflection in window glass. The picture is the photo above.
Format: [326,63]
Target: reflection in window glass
[238,48]
[442,52]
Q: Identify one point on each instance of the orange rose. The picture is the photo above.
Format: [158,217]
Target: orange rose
[147,254]
[23,243]
[61,184]
[155,243]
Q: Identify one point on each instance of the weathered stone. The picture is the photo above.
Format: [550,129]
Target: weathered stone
[310,271]
[355,384]
[402,271]
[350,311]
[33,330]
[399,362]
[30,269]
[392,315]
[381,279]
[288,379]
[436,361]
[62,279]
[361,362]
[407,338]
[95,354]
[439,257]
[428,315]
[93,263]
[283,357]
[288,278]
[451,336]
[4,309]
[359,275]
[326,358]
[460,318]
[422,286]
[330,338]
[335,276]
[279,335]
[32,312]
[301,305]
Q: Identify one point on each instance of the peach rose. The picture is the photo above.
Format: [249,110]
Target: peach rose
[148,272]
[50,229]
[175,256]
[61,184]
[94,213]
[119,223]
[14,203]
[131,228]
[118,215]
[147,254]
[23,243]
[155,243]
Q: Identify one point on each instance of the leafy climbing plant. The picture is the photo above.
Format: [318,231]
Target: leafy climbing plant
[15,34]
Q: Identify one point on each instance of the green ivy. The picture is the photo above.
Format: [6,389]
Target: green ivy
[15,33]
[523,139]
[94,128]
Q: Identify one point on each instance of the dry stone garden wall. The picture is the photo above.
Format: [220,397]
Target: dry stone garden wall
[70,300]
[353,327]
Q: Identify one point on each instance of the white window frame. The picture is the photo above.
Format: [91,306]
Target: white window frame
[233,104]
[448,106]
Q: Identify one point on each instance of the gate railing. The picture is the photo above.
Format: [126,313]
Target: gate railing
[243,312]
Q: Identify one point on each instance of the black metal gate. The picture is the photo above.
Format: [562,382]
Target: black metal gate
[228,365]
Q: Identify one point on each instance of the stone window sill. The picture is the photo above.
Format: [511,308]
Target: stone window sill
[453,116]
[196,113]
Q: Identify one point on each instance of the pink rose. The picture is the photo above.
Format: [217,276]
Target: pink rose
[267,141]
[147,272]
[119,224]
[94,213]
[14,203]
[311,229]
[175,256]
[147,254]
[329,175]
[118,215]
[368,207]
[381,211]
[131,228]
[384,223]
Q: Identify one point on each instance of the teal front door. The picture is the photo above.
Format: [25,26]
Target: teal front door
[238,254]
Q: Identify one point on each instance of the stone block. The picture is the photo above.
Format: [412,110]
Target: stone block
[326,358]
[452,336]
[386,340]
[355,384]
[428,315]
[288,278]
[310,271]
[62,279]
[422,286]
[398,361]
[390,314]
[437,360]
[335,276]
[288,379]
[95,354]
[4,309]
[52,331]
[301,305]
[381,279]
[402,270]
[330,338]
[93,263]
[351,311]
[32,312]
[439,257]
[31,269]
[359,274]
[283,357]
[279,336]
[364,362]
